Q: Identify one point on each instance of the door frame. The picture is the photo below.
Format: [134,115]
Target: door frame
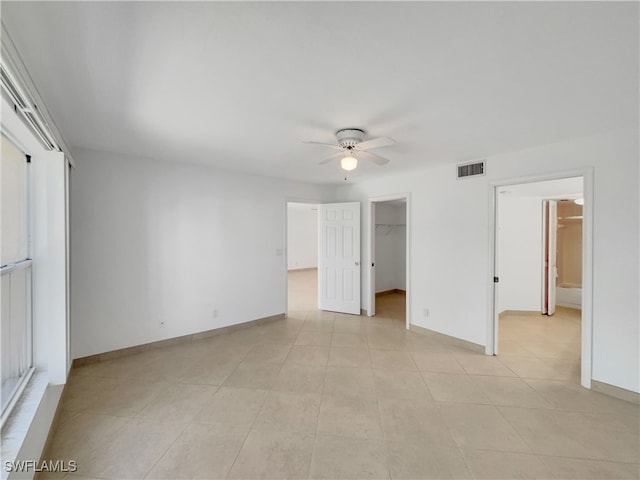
[371,231]
[586,357]
[549,256]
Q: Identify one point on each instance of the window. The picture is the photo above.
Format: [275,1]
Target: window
[15,261]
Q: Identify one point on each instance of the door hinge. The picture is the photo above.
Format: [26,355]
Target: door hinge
[496,279]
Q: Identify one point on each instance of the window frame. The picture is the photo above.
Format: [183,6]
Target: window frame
[25,263]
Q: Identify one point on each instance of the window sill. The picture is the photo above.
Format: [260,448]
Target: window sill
[16,428]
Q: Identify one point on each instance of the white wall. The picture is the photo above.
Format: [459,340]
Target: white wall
[168,241]
[520,253]
[302,236]
[391,246]
[450,271]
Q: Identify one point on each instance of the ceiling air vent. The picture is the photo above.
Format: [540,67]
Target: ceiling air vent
[471,169]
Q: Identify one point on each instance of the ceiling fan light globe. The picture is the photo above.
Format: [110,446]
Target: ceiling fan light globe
[349,163]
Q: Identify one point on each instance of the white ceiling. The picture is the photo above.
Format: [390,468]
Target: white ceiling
[240,85]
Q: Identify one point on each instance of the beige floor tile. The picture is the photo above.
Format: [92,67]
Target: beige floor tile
[567,350]
[479,364]
[425,460]
[481,427]
[348,458]
[513,348]
[392,360]
[400,384]
[348,340]
[313,337]
[576,434]
[297,314]
[128,398]
[82,437]
[179,402]
[210,372]
[50,475]
[315,314]
[308,355]
[530,367]
[82,392]
[201,451]
[244,337]
[407,419]
[291,412]
[349,357]
[268,353]
[139,445]
[451,387]
[571,396]
[253,375]
[300,378]
[233,406]
[510,391]
[319,323]
[387,339]
[491,465]
[349,381]
[274,455]
[581,469]
[436,362]
[163,369]
[357,417]
[348,324]
[117,368]
[605,436]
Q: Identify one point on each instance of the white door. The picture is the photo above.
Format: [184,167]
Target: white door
[550,269]
[339,257]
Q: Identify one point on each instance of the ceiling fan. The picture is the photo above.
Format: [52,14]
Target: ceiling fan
[350,142]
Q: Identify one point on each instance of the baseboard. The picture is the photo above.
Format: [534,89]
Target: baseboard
[458,342]
[307,269]
[125,352]
[533,313]
[390,292]
[573,306]
[617,392]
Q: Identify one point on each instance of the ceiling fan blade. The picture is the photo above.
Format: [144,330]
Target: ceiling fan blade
[372,157]
[335,156]
[375,143]
[325,145]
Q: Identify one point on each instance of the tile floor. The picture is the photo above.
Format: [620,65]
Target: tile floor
[325,396]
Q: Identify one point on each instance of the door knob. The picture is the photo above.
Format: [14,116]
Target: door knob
[357,263]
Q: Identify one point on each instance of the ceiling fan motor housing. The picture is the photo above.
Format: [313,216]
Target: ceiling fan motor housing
[349,137]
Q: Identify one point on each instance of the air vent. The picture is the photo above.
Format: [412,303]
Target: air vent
[471,169]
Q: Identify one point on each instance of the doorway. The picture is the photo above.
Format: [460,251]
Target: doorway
[302,256]
[389,279]
[541,240]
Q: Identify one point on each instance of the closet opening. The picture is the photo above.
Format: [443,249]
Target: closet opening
[389,278]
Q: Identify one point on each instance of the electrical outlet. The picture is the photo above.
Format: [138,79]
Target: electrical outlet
[215,313]
[425,312]
[161,323]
